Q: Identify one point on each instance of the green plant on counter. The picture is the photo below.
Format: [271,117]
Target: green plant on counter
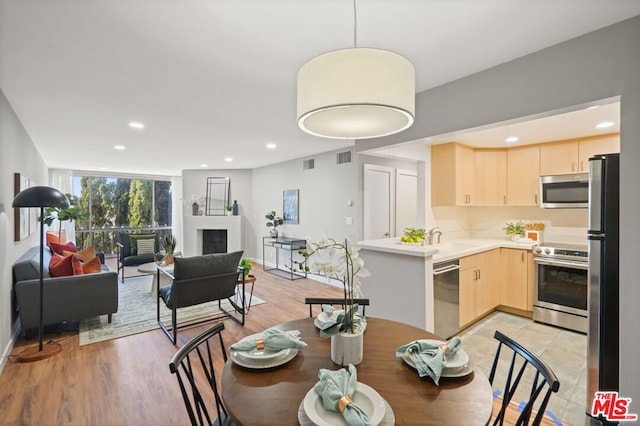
[413,235]
[513,229]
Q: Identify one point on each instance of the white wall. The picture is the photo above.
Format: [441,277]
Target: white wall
[194,183]
[17,155]
[598,65]
[323,197]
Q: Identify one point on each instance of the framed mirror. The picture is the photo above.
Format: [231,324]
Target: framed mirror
[218,195]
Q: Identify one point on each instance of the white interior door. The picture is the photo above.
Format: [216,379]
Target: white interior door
[379,202]
[406,200]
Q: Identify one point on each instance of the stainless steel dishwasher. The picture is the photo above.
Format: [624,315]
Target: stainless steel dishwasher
[446,295]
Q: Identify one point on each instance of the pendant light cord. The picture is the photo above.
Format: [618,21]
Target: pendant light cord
[355,25]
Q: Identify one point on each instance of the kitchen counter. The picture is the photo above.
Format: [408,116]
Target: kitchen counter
[400,287]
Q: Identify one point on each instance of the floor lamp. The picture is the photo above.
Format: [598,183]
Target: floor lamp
[40,196]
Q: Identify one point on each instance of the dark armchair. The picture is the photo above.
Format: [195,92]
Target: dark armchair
[201,279]
[127,251]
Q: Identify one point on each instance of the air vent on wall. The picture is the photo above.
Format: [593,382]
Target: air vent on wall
[308,164]
[344,157]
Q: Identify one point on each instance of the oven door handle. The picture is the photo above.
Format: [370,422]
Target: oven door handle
[576,265]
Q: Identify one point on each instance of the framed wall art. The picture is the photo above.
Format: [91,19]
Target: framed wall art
[21,215]
[290,206]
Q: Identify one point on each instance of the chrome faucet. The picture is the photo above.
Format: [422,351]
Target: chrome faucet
[431,233]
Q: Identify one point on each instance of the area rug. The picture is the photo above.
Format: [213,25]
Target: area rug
[137,313]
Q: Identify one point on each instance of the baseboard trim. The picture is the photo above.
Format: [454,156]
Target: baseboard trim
[15,332]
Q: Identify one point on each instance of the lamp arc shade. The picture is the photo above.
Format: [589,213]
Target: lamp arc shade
[356,93]
[41,196]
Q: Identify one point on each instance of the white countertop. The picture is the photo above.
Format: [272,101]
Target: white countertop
[445,251]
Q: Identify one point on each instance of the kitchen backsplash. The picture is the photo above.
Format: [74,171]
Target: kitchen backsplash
[561,225]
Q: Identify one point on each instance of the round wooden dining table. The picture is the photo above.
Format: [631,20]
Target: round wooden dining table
[272,396]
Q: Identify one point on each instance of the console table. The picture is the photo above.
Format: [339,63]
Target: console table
[283,243]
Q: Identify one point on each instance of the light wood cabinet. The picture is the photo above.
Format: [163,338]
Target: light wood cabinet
[452,175]
[479,285]
[573,156]
[517,283]
[590,147]
[490,177]
[523,176]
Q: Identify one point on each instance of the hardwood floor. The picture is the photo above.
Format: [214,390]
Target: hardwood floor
[127,381]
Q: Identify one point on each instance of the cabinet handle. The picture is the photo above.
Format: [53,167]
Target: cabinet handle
[504,200]
[573,166]
[522,256]
[582,166]
[478,273]
[535,198]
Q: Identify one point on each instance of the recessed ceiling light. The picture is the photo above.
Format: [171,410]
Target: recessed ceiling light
[512,139]
[271,146]
[204,165]
[119,147]
[136,125]
[228,159]
[605,125]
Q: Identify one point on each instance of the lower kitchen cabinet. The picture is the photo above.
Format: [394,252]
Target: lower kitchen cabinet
[479,285]
[517,283]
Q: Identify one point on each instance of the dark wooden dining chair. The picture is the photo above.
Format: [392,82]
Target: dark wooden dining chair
[193,366]
[319,301]
[544,383]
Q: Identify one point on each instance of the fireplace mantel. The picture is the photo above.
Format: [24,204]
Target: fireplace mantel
[193,226]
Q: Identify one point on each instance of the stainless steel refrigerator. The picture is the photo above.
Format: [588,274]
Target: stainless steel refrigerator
[603,297]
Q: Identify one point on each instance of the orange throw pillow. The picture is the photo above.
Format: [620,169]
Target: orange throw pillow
[59,248]
[83,255]
[92,266]
[60,266]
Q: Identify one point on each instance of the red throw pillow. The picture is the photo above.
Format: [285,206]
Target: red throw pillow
[59,248]
[61,266]
[83,255]
[92,266]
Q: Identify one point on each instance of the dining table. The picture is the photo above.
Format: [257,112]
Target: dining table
[268,396]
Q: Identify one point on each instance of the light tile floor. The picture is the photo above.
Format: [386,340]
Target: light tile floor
[564,351]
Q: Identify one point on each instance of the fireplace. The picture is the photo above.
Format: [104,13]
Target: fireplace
[214,241]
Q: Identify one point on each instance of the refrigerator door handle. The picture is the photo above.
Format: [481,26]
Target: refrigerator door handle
[593,303]
[596,173]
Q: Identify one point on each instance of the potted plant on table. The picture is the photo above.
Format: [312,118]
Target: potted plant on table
[169,243]
[515,231]
[340,261]
[245,264]
[274,222]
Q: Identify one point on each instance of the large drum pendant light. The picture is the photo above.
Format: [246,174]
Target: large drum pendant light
[356,93]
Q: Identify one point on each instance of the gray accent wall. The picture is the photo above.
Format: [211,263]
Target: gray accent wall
[17,155]
[324,194]
[599,65]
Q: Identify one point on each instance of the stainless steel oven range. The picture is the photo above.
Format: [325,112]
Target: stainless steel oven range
[561,285]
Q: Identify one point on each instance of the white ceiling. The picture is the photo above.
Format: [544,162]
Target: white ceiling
[214,79]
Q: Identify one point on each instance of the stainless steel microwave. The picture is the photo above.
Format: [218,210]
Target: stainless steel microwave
[564,191]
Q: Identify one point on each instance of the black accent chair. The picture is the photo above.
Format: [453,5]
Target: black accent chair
[194,368]
[544,383]
[125,253]
[201,279]
[313,301]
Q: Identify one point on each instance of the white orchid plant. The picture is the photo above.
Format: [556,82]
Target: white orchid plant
[339,261]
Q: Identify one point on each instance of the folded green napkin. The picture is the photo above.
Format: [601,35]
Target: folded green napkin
[333,386]
[274,340]
[429,358]
[332,321]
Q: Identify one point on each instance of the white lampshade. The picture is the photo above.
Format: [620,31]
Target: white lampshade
[356,93]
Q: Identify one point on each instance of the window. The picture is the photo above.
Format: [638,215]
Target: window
[117,203]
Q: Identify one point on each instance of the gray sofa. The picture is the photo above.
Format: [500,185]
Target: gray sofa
[65,298]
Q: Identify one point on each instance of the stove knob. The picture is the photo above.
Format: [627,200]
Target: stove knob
[538,250]
[547,251]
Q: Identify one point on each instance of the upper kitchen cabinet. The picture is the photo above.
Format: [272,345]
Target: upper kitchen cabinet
[523,175]
[452,175]
[490,177]
[593,146]
[573,156]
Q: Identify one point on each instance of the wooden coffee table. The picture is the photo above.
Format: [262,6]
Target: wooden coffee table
[152,268]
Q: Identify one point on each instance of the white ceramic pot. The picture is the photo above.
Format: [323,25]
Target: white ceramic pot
[347,348]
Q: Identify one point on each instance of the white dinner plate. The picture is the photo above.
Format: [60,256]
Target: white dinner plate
[367,399]
[286,356]
[446,372]
[259,354]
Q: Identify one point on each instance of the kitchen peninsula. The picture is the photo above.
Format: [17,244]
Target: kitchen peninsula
[400,287]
